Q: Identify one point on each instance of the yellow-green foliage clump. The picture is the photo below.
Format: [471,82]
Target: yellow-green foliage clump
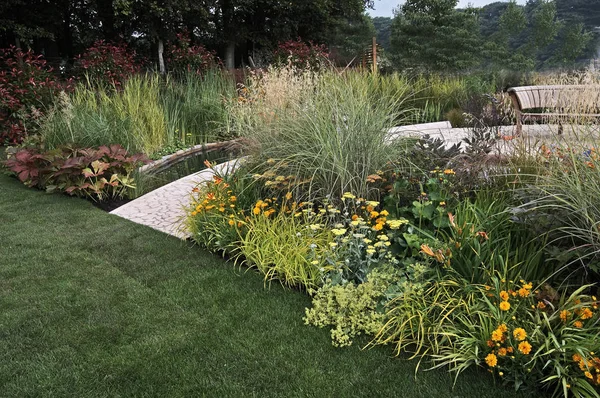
[351,309]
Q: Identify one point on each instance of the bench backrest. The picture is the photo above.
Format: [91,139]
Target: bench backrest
[571,99]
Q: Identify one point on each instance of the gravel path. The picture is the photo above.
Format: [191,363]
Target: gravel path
[164,208]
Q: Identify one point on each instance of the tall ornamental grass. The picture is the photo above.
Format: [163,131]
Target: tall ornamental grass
[145,115]
[196,106]
[132,117]
[330,130]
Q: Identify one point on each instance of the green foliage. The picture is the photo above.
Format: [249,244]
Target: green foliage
[485,239]
[280,246]
[351,309]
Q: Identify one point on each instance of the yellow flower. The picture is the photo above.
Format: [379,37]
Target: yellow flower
[374,214]
[370,251]
[504,306]
[520,334]
[449,171]
[348,195]
[588,375]
[491,360]
[338,231]
[564,314]
[232,198]
[288,195]
[504,295]
[578,324]
[395,224]
[373,203]
[523,292]
[384,213]
[524,347]
[576,357]
[378,227]
[194,213]
[503,328]
[231,222]
[502,352]
[256,210]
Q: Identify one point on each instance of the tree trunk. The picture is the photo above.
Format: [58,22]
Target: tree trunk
[230,55]
[161,60]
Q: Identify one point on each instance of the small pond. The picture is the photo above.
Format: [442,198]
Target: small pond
[149,181]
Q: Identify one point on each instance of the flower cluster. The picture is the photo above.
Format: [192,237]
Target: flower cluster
[504,343]
[589,366]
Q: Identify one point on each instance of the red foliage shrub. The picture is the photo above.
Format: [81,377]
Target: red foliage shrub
[183,56]
[107,64]
[99,174]
[301,55]
[27,86]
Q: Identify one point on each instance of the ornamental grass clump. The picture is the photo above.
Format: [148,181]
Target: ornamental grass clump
[332,132]
[563,201]
[132,117]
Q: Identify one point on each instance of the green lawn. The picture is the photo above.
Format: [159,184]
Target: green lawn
[92,305]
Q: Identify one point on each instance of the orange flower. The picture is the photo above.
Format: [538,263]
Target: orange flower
[523,292]
[504,295]
[497,335]
[520,334]
[541,305]
[586,314]
[504,306]
[427,250]
[502,351]
[564,314]
[491,360]
[578,324]
[525,347]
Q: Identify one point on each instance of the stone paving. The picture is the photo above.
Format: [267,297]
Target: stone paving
[164,208]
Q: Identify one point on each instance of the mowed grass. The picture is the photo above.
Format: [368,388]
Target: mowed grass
[92,305]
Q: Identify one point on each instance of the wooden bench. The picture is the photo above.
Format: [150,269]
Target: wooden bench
[533,103]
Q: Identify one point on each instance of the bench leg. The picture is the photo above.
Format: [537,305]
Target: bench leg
[519,126]
[560,128]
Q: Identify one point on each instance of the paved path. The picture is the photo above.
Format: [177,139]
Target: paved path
[164,208]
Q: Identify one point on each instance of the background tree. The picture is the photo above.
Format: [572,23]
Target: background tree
[433,35]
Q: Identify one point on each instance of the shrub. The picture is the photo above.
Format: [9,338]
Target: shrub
[351,309]
[107,65]
[27,86]
[98,174]
[300,55]
[184,57]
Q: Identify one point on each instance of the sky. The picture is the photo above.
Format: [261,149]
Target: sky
[384,8]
